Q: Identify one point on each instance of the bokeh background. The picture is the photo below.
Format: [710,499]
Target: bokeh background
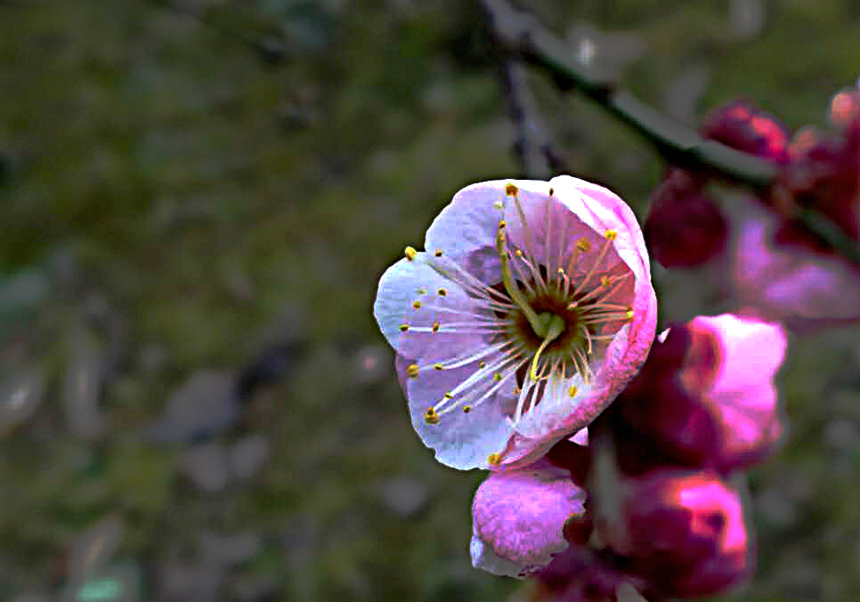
[197,198]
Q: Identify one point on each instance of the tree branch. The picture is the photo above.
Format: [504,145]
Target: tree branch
[534,147]
[521,35]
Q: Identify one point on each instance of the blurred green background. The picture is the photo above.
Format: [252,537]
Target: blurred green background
[197,197]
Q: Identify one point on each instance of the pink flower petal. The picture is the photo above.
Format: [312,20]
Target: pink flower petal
[519,518]
[465,230]
[791,283]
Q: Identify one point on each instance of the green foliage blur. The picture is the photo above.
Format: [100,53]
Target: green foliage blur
[204,171]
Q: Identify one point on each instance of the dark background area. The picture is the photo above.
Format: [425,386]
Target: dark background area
[197,198]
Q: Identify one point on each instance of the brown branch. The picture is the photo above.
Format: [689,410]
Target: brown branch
[522,36]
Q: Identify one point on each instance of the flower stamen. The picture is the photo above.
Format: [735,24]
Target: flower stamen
[514,292]
[555,327]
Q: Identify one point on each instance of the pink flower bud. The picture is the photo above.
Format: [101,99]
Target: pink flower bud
[687,532]
[523,518]
[706,395]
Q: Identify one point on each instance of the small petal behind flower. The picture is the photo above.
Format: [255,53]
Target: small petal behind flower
[519,518]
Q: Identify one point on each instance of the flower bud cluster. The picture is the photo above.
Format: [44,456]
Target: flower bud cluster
[666,512]
[778,265]
[525,345]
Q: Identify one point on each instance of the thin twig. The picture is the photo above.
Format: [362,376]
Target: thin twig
[270,48]
[522,36]
[532,142]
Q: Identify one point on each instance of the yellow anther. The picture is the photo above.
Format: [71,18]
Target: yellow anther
[482,364]
[511,190]
[494,459]
[404,327]
[442,292]
[467,409]
[448,395]
[431,416]
[437,366]
[518,252]
[417,305]
[438,253]
[435,327]
[610,234]
[572,391]
[502,224]
[412,370]
[497,376]
[628,315]
[583,245]
[410,253]
[605,281]
[561,271]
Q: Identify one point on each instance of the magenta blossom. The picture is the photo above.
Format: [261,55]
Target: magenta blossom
[529,311]
[802,285]
[706,395]
[685,531]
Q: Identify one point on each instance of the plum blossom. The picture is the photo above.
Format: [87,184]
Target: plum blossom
[529,311]
[780,267]
[774,265]
[685,531]
[706,396]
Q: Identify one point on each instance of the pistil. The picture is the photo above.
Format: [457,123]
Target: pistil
[555,326]
[514,292]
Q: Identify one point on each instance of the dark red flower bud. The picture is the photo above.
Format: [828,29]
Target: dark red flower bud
[684,227]
[582,574]
[687,532]
[823,174]
[742,126]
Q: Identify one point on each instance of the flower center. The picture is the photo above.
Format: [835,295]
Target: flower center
[554,327]
[553,322]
